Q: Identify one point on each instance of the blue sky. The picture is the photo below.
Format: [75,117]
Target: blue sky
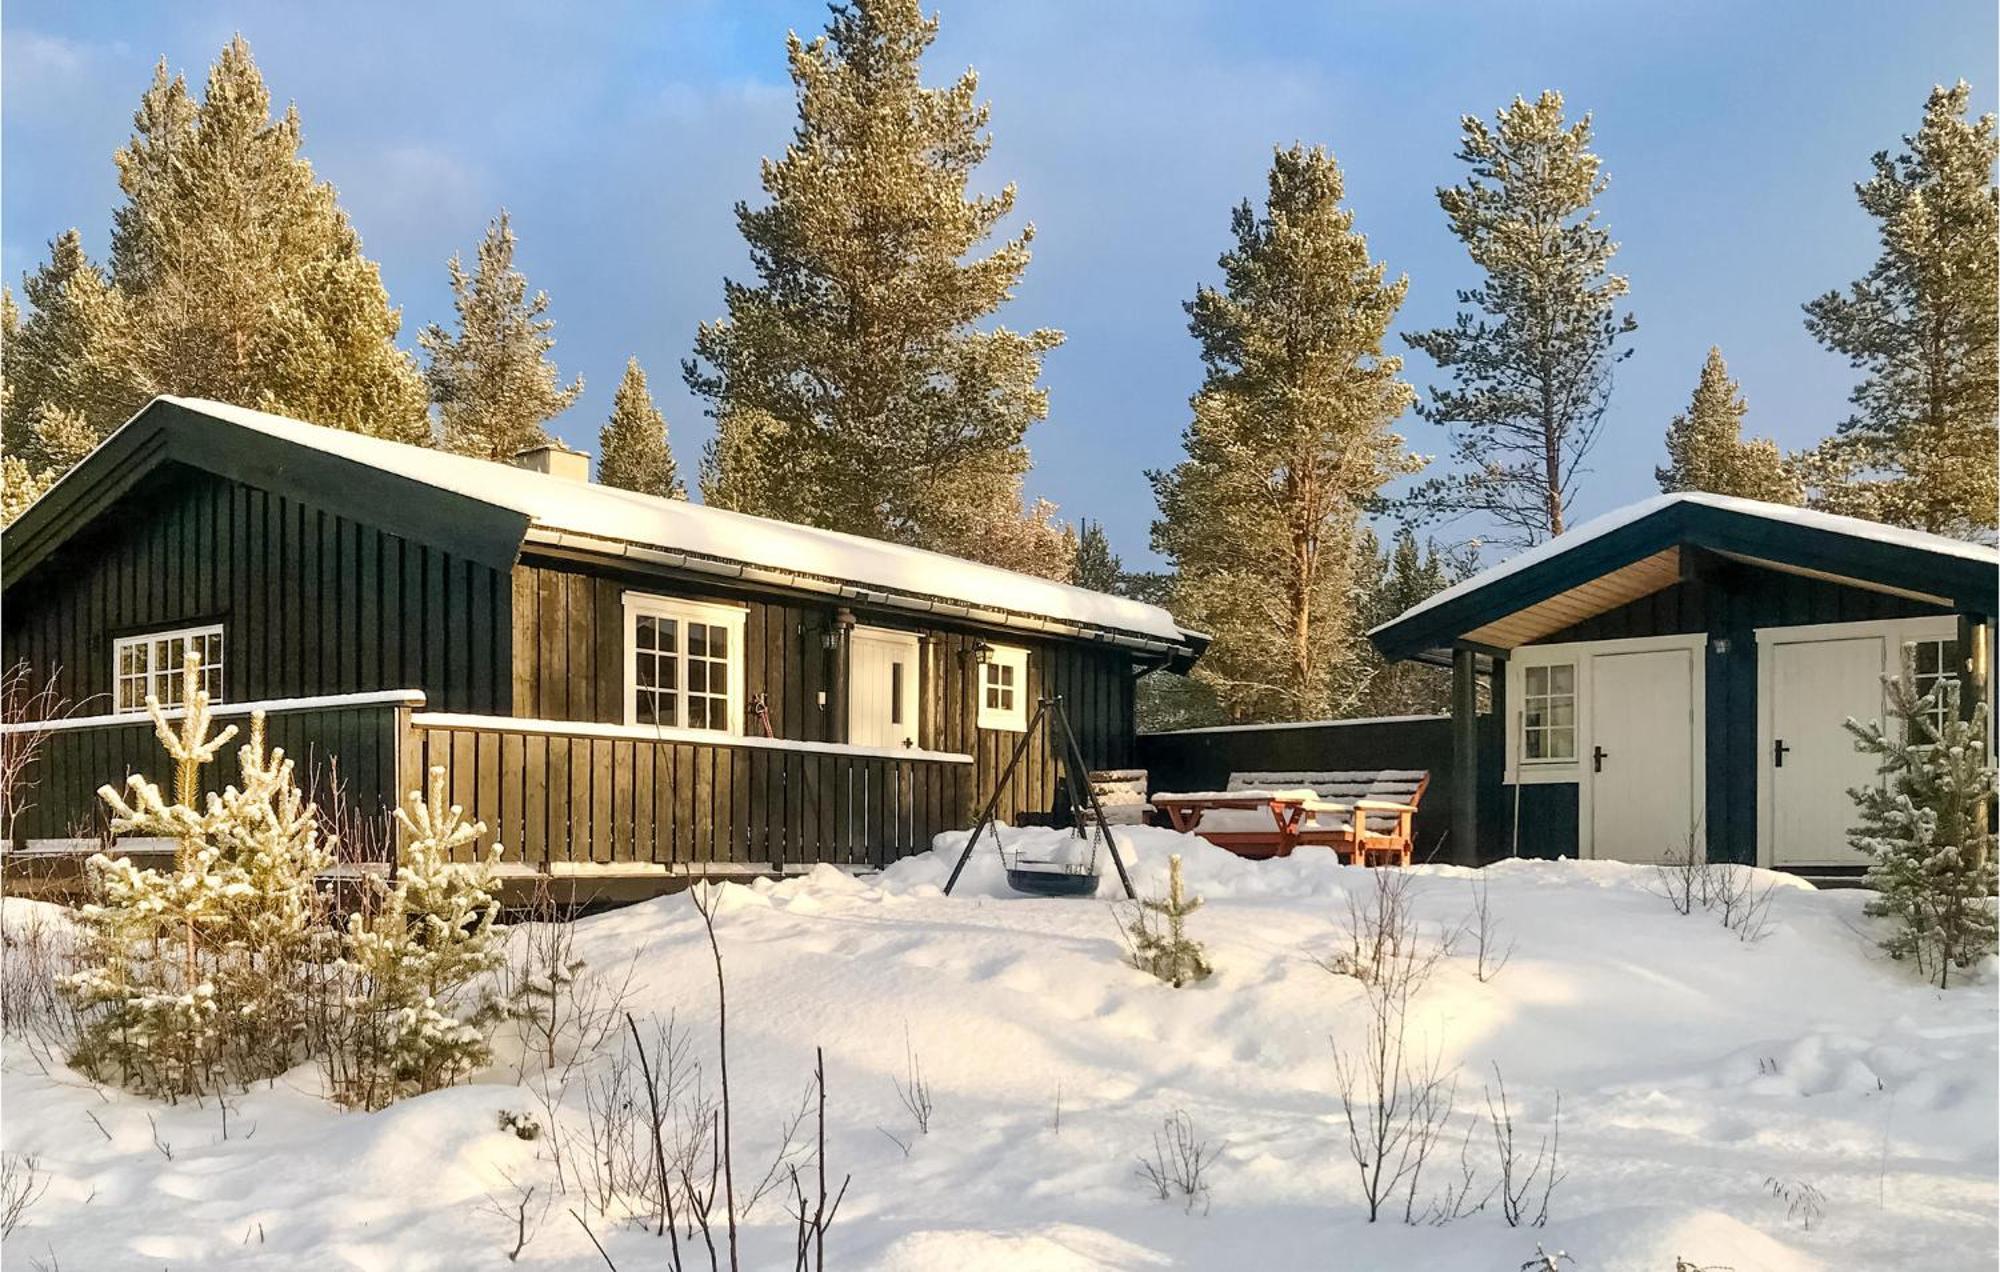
[620,135]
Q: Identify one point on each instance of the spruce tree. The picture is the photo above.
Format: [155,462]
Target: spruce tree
[1157,934]
[1706,450]
[1097,566]
[1921,326]
[1927,827]
[1531,358]
[243,278]
[1289,447]
[69,367]
[493,383]
[857,384]
[632,449]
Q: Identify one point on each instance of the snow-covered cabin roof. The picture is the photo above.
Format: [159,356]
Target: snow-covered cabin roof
[588,516]
[1634,550]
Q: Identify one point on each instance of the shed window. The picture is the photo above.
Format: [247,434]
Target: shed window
[1933,662]
[684,664]
[1548,712]
[153,664]
[1003,689]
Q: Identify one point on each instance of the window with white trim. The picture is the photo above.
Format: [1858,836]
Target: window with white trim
[683,664]
[1003,689]
[1548,712]
[1933,662]
[154,664]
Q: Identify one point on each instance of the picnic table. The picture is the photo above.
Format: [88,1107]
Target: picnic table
[1250,823]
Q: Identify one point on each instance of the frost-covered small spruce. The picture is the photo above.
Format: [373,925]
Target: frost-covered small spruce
[1925,828]
[414,959]
[1167,951]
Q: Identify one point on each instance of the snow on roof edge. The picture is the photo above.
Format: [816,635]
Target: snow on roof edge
[1285,724]
[1598,527]
[562,504]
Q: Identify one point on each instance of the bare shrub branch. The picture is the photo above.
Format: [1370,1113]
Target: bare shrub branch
[1518,1175]
[1179,1164]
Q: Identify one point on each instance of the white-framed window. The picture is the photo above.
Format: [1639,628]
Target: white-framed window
[683,664]
[153,663]
[1548,713]
[1003,689]
[1933,662]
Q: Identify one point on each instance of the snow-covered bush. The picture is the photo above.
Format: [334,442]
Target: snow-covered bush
[1927,828]
[1161,945]
[413,958]
[200,977]
[232,965]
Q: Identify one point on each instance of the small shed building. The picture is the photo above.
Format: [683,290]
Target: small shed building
[1678,671]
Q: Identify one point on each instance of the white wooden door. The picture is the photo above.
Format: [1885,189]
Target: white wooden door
[1641,768]
[882,688]
[1814,687]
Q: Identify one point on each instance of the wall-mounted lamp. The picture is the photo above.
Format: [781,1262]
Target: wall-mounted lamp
[982,653]
[829,638]
[1720,645]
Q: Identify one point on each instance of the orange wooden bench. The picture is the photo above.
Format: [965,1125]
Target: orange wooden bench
[1363,815]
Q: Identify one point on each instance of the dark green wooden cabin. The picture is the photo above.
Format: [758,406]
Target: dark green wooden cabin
[1679,670]
[625,689]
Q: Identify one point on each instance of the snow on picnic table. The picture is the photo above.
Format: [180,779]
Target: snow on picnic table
[1692,1069]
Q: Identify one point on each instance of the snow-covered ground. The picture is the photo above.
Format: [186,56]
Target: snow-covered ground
[1693,1068]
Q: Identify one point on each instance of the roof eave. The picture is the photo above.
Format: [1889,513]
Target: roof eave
[1965,583]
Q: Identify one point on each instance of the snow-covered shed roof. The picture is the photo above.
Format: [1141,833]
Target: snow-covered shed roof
[590,517]
[1635,550]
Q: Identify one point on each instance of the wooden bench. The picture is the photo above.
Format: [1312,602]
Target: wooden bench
[1363,815]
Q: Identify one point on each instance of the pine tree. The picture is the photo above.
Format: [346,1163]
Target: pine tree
[1162,946]
[1404,576]
[857,384]
[632,448]
[1927,828]
[1921,326]
[1097,566]
[1531,358]
[243,278]
[493,383]
[1289,447]
[1706,450]
[416,955]
[70,372]
[196,978]
[983,515]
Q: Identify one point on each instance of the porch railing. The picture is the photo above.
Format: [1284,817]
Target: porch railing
[570,797]
[562,797]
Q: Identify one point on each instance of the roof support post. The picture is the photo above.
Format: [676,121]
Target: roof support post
[1975,637]
[1463,848]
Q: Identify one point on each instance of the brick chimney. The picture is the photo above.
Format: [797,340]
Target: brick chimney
[555,459]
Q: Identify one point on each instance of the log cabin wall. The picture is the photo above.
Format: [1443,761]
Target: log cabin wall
[569,665]
[311,603]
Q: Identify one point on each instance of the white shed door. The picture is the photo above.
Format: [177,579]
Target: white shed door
[1641,767]
[882,688]
[1815,686]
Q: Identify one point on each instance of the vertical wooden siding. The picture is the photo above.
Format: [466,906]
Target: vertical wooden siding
[569,665]
[311,603]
